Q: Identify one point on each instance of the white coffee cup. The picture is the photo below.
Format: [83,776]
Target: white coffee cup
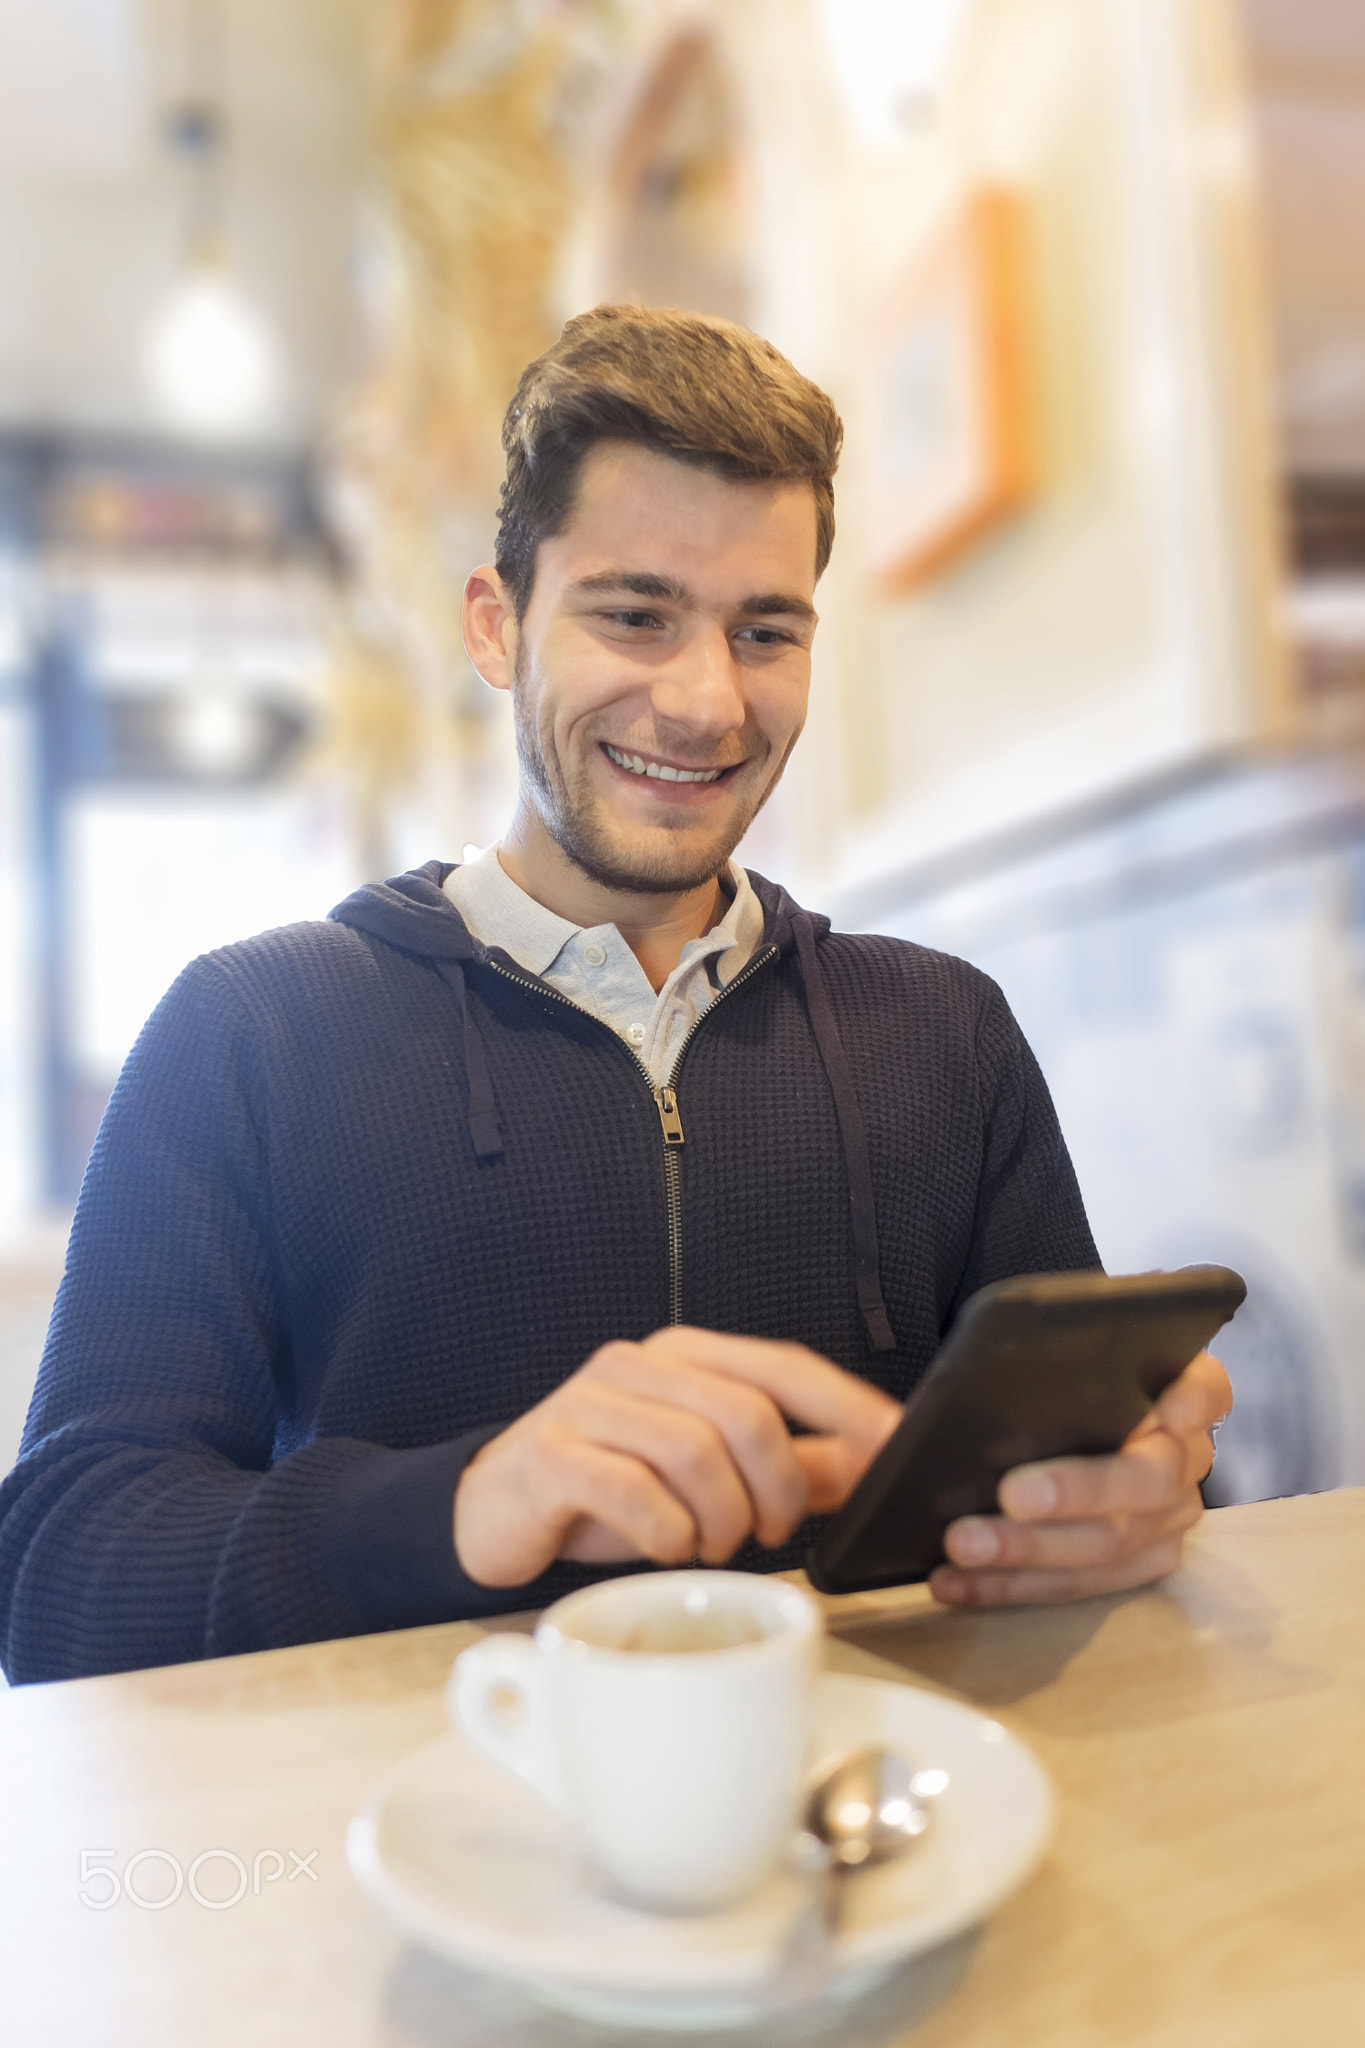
[667,1716]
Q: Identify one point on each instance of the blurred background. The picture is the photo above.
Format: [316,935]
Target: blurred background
[1087,279]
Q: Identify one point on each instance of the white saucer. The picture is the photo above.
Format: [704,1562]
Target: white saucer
[469,1861]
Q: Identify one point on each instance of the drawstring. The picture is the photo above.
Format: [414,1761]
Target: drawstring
[484,1128]
[853,1132]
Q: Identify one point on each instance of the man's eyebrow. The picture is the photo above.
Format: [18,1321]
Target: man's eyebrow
[777,601]
[669,590]
[639,582]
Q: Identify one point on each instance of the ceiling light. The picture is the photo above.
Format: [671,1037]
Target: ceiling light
[211,359]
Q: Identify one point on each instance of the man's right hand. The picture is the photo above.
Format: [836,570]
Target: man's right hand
[670,1449]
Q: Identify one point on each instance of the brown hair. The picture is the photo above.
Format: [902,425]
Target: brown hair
[699,389]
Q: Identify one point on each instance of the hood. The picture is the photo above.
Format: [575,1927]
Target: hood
[412,911]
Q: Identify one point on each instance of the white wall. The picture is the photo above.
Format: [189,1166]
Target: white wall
[1124,622]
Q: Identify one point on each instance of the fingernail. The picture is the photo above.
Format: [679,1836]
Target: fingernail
[973,1541]
[1031,1491]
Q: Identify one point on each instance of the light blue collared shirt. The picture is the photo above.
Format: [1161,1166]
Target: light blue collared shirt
[595,968]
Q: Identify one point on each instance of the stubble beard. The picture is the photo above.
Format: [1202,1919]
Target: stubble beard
[574,817]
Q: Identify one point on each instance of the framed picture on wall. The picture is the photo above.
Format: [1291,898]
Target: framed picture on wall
[950,389]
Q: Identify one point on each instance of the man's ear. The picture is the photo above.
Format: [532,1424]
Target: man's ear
[489,628]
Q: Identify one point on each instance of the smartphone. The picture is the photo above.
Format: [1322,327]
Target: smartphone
[1047,1365]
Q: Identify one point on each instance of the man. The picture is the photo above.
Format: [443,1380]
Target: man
[491,1234]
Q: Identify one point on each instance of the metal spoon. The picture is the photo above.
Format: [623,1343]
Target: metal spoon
[860,1811]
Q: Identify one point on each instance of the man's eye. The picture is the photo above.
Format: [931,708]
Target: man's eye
[634,621]
[765,636]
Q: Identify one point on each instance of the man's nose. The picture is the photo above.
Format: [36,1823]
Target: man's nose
[700,689]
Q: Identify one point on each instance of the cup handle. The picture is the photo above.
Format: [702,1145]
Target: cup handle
[496,1694]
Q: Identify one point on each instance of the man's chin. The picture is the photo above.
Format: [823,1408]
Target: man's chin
[649,879]
[642,868]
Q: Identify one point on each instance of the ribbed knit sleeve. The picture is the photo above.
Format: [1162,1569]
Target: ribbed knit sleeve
[1029,1214]
[149,1518]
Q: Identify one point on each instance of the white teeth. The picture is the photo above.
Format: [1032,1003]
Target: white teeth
[660,772]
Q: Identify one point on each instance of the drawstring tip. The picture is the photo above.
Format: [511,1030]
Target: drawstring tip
[487,1137]
[878,1326]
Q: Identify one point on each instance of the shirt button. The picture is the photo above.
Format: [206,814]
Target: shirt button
[635,1033]
[594,955]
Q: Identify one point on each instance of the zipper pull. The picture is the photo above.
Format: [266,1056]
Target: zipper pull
[667,1101]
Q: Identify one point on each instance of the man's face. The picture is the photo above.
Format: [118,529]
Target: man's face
[667,639]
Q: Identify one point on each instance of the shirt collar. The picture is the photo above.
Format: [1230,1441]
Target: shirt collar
[499,913]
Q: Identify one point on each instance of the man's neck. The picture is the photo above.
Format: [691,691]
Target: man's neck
[656,928]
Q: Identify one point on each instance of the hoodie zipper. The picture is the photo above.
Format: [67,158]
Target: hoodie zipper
[665,1102]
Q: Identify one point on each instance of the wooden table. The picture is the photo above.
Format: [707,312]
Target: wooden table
[1206,1887]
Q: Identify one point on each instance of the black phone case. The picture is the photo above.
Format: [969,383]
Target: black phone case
[1043,1366]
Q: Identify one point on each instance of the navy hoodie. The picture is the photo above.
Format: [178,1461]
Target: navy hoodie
[366,1191]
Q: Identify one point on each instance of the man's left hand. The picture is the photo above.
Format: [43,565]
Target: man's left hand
[1077,1526]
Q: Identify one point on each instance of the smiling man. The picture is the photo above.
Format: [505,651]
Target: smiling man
[494,1233]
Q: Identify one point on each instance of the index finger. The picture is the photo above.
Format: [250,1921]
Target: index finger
[1143,1478]
[806,1387]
